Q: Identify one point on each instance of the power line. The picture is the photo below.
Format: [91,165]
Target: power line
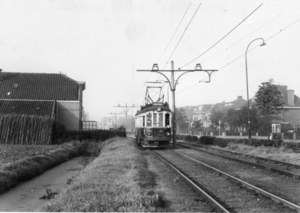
[165,49]
[182,36]
[222,37]
[240,56]
[249,34]
[174,32]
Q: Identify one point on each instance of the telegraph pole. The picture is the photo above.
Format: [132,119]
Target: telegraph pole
[115,114]
[173,83]
[126,109]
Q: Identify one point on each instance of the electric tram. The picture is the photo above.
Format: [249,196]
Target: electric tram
[153,121]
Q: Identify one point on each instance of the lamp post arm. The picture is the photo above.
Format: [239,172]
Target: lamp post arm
[250,44]
[164,76]
[180,76]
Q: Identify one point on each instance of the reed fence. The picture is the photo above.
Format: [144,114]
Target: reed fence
[26,130]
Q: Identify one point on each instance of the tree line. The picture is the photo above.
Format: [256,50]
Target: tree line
[268,104]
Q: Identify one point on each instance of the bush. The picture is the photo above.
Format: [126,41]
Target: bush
[188,138]
[194,138]
[207,140]
[223,142]
[94,135]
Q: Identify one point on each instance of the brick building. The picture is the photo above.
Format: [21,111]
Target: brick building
[44,94]
[290,114]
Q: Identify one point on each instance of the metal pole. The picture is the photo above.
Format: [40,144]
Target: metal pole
[174,107]
[126,116]
[249,122]
[249,119]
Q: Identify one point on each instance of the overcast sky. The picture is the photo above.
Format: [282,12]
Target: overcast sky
[104,42]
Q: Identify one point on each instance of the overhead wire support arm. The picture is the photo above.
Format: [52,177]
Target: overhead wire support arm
[172,83]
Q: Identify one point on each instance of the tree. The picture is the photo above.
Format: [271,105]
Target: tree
[181,119]
[197,125]
[217,115]
[232,118]
[268,101]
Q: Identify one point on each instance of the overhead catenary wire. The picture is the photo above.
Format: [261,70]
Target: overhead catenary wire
[174,33]
[222,37]
[182,36]
[141,92]
[240,56]
[248,34]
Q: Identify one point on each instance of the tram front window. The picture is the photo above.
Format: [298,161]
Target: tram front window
[149,120]
[160,119]
[167,119]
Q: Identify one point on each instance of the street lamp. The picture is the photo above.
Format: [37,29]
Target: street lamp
[249,122]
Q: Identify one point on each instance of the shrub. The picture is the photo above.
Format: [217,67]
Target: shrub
[207,140]
[188,138]
[194,138]
[94,135]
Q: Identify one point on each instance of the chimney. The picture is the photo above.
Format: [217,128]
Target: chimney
[240,97]
[291,100]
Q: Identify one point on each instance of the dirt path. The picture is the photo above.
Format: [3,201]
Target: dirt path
[25,197]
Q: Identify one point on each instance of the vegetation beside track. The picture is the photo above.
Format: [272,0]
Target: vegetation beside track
[117,180]
[30,166]
[273,149]
[23,162]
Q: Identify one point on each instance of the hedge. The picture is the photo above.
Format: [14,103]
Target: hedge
[94,135]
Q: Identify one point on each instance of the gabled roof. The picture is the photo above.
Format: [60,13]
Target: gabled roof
[237,103]
[37,86]
[20,107]
[204,108]
[285,97]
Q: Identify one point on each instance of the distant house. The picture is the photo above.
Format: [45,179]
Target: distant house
[202,112]
[235,104]
[43,94]
[290,116]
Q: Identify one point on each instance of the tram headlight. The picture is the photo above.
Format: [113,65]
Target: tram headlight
[168,133]
[149,133]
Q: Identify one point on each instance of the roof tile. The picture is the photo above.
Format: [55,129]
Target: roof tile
[41,108]
[37,86]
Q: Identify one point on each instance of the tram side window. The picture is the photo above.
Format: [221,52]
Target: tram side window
[167,119]
[143,120]
[160,119]
[149,119]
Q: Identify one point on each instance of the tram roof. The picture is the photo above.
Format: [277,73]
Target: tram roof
[153,107]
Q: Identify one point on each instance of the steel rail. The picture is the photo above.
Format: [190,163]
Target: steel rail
[195,186]
[279,171]
[248,185]
[247,155]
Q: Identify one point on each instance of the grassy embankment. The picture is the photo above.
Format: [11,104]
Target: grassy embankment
[277,153]
[118,180]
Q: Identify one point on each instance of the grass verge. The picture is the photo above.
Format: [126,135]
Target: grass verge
[118,180]
[277,153]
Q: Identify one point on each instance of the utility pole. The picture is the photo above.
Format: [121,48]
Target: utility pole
[173,83]
[115,114]
[126,109]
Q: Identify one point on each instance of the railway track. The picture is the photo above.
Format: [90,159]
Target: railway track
[223,191]
[280,167]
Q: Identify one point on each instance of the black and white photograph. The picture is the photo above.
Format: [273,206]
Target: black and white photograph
[150,106]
